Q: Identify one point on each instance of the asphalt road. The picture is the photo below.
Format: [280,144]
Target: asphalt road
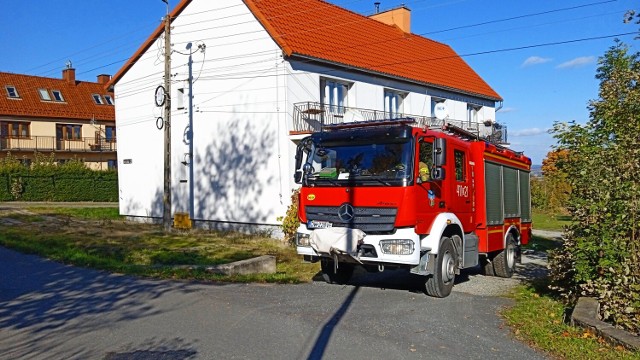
[52,311]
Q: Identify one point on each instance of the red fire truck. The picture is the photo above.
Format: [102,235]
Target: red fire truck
[391,194]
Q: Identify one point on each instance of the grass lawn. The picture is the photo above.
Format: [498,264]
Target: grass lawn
[538,318]
[546,221]
[99,238]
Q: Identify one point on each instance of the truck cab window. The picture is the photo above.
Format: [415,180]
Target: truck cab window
[460,164]
[425,160]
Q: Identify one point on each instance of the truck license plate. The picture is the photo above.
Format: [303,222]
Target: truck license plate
[314,224]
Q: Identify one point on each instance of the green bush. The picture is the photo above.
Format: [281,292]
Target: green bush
[599,257]
[290,221]
[46,180]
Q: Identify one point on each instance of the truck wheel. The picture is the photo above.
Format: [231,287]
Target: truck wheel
[342,276]
[441,282]
[504,264]
[486,266]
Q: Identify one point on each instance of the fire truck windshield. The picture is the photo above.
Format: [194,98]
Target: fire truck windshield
[385,162]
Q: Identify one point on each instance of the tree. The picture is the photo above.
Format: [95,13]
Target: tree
[600,255]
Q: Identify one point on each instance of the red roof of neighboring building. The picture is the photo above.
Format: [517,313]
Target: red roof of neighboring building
[321,31]
[78,99]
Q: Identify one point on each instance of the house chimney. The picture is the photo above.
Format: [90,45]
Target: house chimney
[103,78]
[377,5]
[400,17]
[69,74]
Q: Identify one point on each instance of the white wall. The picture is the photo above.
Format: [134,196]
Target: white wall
[239,121]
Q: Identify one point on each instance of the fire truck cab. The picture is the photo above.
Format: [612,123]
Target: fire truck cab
[390,194]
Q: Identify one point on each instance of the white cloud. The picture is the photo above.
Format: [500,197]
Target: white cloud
[528,132]
[577,62]
[535,60]
[507,110]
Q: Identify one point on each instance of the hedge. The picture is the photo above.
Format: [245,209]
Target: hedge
[48,181]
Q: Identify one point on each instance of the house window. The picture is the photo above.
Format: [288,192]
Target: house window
[112,164]
[98,99]
[334,94]
[459,163]
[57,95]
[393,103]
[472,113]
[44,94]
[68,132]
[110,133]
[15,129]
[108,99]
[12,92]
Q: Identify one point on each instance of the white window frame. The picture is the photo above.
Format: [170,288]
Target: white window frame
[44,94]
[12,89]
[334,93]
[98,99]
[394,103]
[472,113]
[57,95]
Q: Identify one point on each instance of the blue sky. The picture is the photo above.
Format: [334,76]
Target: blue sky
[540,85]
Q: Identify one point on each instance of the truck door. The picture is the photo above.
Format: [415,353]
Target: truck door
[462,203]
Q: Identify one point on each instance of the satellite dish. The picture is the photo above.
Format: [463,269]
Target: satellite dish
[440,111]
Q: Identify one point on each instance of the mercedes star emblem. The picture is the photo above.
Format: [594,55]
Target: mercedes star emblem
[346,212]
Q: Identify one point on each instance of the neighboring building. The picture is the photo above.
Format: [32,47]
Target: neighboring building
[266,72]
[73,119]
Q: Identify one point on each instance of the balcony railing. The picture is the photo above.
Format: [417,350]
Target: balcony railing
[51,143]
[312,117]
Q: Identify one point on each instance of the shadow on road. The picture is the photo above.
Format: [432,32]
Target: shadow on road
[322,341]
[38,296]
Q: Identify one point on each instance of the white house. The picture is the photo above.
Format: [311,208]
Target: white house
[265,72]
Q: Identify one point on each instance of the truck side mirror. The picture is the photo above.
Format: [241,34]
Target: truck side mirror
[437,173]
[439,158]
[439,152]
[297,177]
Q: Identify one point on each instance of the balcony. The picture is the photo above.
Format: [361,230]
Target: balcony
[52,144]
[313,117]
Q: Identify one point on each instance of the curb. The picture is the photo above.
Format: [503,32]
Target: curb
[585,315]
[265,264]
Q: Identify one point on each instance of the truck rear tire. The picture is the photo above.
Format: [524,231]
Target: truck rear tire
[504,264]
[341,276]
[441,282]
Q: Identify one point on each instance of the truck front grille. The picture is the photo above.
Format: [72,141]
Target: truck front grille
[367,219]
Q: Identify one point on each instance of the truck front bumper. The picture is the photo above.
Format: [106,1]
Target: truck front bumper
[372,249]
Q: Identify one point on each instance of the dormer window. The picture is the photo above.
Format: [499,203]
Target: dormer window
[98,99]
[108,99]
[57,95]
[44,95]
[12,92]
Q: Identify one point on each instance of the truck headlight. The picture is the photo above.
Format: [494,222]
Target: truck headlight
[397,246]
[302,239]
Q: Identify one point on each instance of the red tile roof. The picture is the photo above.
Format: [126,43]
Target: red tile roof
[317,30]
[78,101]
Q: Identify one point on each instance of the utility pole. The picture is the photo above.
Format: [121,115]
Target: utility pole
[166,214]
[191,157]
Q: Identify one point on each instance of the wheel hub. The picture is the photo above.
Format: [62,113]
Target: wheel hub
[448,268]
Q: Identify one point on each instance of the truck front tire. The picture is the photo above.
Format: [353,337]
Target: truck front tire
[441,282]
